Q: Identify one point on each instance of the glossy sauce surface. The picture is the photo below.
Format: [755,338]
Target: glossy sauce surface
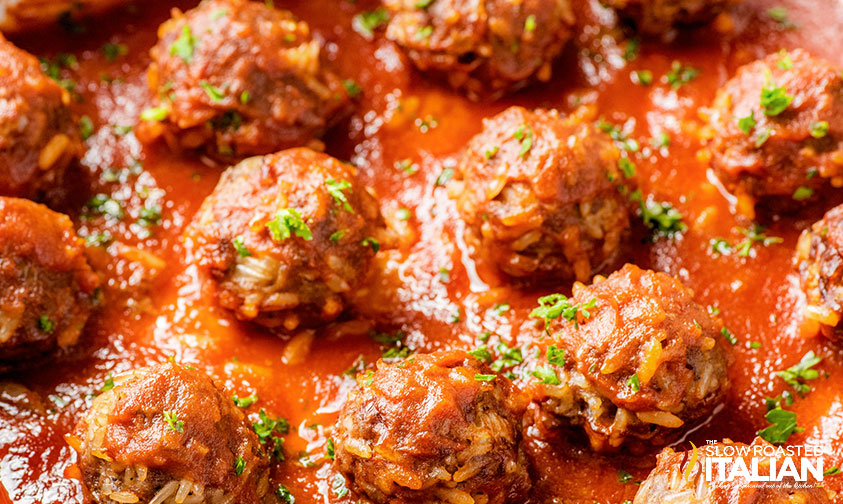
[157,305]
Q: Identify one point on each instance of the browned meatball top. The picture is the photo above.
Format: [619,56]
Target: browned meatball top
[288,237]
[46,286]
[819,256]
[169,423]
[38,137]
[778,127]
[483,46]
[667,483]
[240,78]
[433,428]
[638,351]
[657,17]
[539,195]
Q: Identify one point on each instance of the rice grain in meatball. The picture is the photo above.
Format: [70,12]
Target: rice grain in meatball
[819,258]
[47,288]
[667,483]
[539,196]
[39,139]
[288,237]
[656,17]
[166,434]
[436,428]
[485,47]
[240,78]
[637,362]
[778,129]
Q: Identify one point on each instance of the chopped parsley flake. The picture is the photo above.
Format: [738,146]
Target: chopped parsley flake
[288,222]
[336,188]
[546,375]
[352,88]
[338,486]
[660,217]
[643,77]
[336,236]
[530,23]
[774,99]
[244,402]
[329,449]
[266,428]
[558,305]
[783,424]
[446,176]
[634,383]
[173,422]
[240,246]
[371,242]
[524,134]
[680,75]
[490,153]
[86,127]
[239,466]
[215,94]
[184,46]
[285,495]
[46,325]
[113,51]
[109,383]
[627,167]
[832,471]
[481,353]
[484,377]
[747,124]
[103,204]
[624,476]
[796,375]
[802,193]
[556,356]
[819,129]
[424,33]
[728,336]
[155,114]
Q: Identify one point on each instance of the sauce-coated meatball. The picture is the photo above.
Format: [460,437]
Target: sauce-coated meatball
[667,483]
[166,434]
[778,128]
[240,78]
[819,256]
[539,196]
[656,17]
[638,361]
[288,237]
[433,428]
[485,47]
[46,286]
[38,136]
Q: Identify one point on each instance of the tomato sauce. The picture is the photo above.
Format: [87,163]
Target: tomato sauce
[406,130]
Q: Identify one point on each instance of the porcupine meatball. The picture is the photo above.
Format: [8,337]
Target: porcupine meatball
[166,434]
[436,427]
[485,47]
[778,129]
[38,136]
[656,17]
[667,484]
[240,78]
[47,289]
[638,362]
[819,258]
[539,196]
[288,237]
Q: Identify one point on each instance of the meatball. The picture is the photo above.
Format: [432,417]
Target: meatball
[778,129]
[631,359]
[539,196]
[38,136]
[433,428]
[47,289]
[288,237]
[166,434]
[819,258]
[670,483]
[240,78]
[485,47]
[656,17]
